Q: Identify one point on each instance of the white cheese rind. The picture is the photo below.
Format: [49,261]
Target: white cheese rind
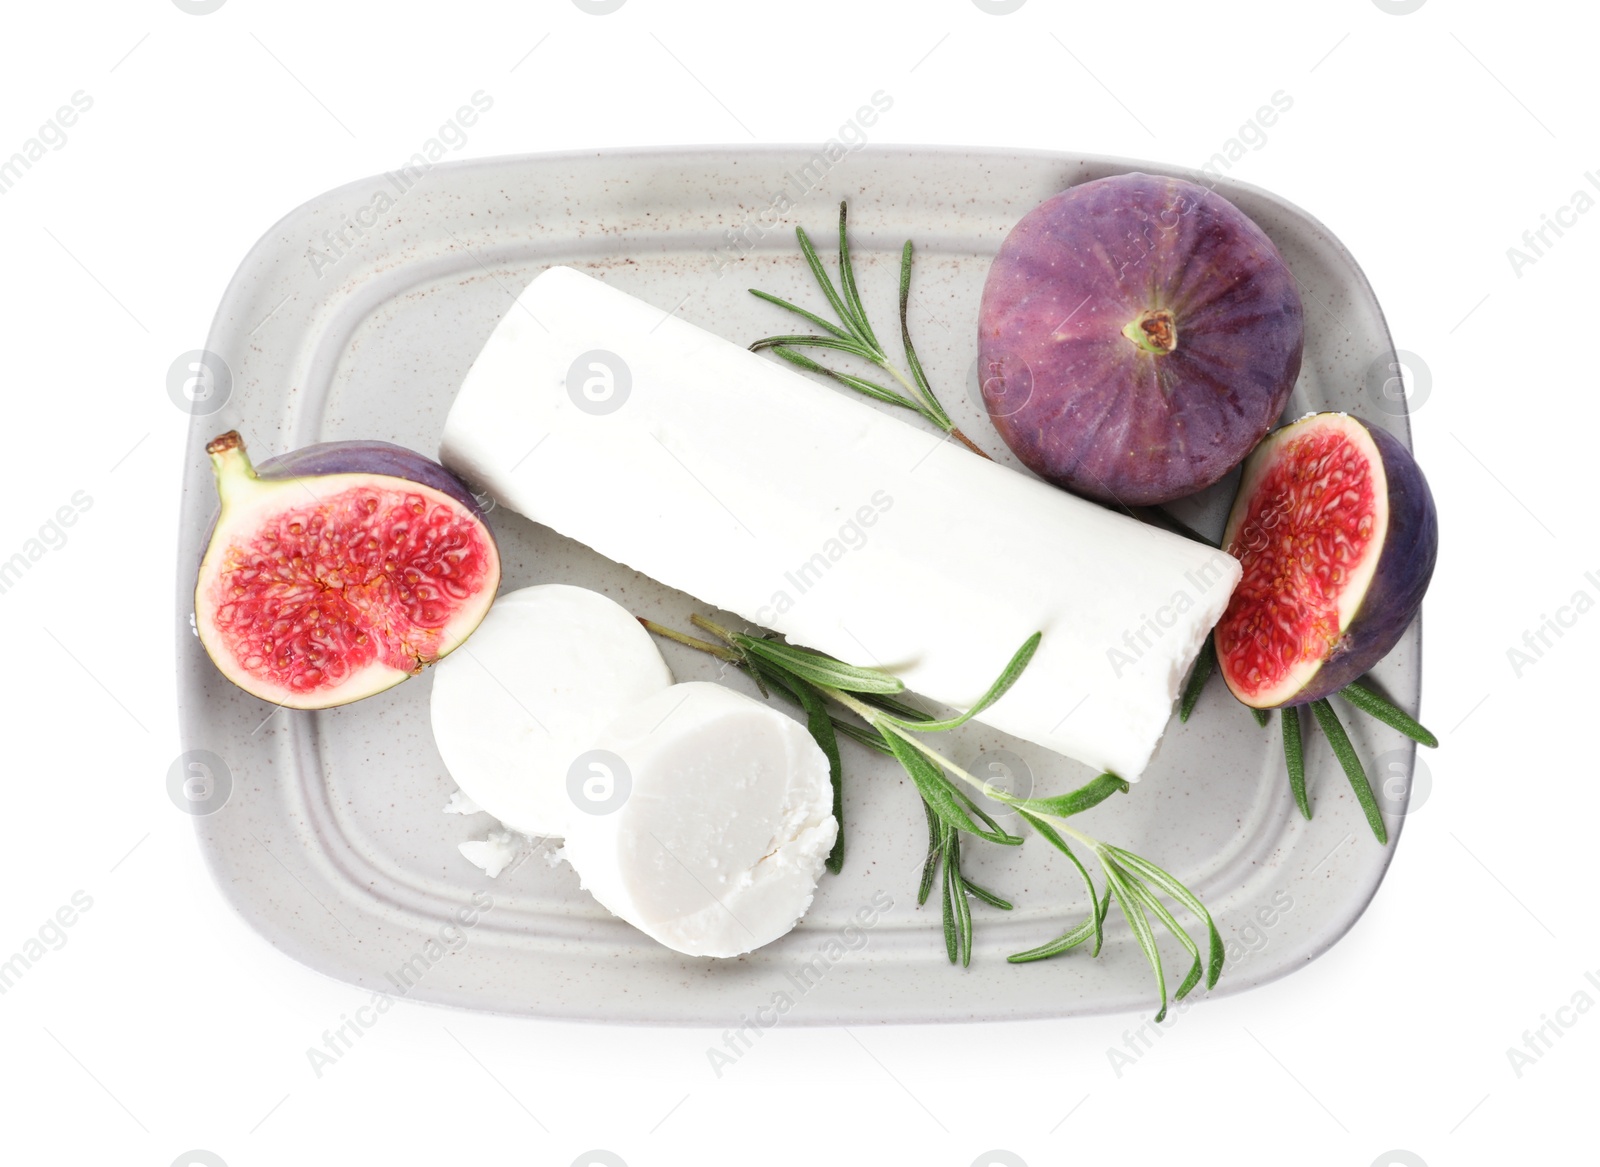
[514,707]
[714,824]
[808,511]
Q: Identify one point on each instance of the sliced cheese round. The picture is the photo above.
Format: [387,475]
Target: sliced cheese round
[516,704]
[703,818]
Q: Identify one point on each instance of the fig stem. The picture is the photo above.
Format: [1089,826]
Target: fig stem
[235,473]
[1154,331]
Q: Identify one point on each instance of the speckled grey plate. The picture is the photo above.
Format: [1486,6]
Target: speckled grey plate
[357,316]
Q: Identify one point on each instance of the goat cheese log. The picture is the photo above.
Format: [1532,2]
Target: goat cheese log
[806,510]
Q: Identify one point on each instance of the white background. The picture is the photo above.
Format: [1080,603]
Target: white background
[1429,142]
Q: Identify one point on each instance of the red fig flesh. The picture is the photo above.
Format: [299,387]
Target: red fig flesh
[338,571]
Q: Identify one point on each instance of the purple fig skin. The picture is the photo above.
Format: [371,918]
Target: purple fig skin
[364,457]
[1405,568]
[368,457]
[1105,416]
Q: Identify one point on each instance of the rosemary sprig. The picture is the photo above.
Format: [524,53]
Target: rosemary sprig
[853,335]
[891,726]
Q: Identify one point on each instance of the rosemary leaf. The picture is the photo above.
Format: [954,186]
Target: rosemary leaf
[760,673]
[801,340]
[930,865]
[847,281]
[1142,932]
[1262,716]
[1000,834]
[1333,730]
[860,385]
[1008,677]
[865,736]
[1294,757]
[821,274]
[939,416]
[958,895]
[1198,676]
[819,669]
[1148,871]
[789,689]
[1066,941]
[1091,794]
[947,905]
[986,896]
[1103,909]
[1367,699]
[801,312]
[768,675]
[934,787]
[1053,837]
[893,706]
[1155,907]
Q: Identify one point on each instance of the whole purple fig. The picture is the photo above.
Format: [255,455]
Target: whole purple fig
[1137,337]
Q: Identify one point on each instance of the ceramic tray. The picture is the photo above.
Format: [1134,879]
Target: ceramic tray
[357,316]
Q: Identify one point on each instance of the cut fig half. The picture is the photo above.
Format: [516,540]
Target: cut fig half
[1335,528]
[337,571]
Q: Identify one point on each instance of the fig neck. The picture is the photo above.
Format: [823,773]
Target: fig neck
[236,475]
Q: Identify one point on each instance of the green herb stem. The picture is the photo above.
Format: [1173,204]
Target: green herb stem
[693,642]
